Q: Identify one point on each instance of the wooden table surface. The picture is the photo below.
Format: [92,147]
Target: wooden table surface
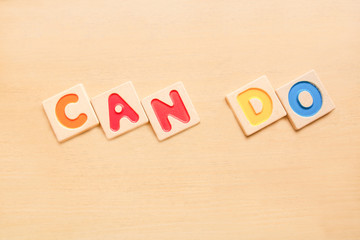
[210,182]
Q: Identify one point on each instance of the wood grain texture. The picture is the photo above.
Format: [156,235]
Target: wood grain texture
[210,182]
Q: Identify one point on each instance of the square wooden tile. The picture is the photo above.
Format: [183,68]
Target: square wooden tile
[70,113]
[255,105]
[170,111]
[305,99]
[119,110]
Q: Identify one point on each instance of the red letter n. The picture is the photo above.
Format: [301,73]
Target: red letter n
[177,110]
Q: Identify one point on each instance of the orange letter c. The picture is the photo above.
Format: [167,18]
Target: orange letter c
[60,112]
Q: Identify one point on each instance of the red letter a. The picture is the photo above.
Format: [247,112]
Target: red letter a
[163,111]
[115,116]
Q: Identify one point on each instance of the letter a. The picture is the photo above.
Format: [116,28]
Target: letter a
[115,116]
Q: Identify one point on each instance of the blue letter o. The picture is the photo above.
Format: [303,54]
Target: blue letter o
[295,103]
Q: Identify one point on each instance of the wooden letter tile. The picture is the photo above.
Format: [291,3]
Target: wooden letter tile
[119,110]
[70,113]
[305,99]
[255,105]
[170,111]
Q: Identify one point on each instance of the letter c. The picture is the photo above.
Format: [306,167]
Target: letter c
[61,115]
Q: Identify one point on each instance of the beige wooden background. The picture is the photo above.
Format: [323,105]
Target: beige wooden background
[210,182]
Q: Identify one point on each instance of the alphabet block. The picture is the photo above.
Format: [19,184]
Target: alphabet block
[70,113]
[170,111]
[305,99]
[119,110]
[255,105]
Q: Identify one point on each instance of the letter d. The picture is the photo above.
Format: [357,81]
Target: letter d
[256,105]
